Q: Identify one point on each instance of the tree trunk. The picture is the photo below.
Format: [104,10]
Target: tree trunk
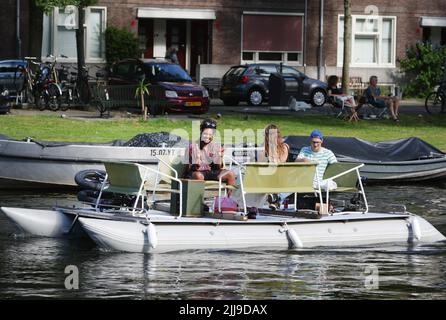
[36,25]
[80,44]
[347,45]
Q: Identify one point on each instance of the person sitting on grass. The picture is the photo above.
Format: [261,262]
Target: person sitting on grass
[334,91]
[206,157]
[374,97]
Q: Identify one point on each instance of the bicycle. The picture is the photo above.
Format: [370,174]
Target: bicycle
[436,101]
[48,93]
[98,93]
[27,92]
[87,92]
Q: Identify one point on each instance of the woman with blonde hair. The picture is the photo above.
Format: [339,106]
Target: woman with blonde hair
[275,150]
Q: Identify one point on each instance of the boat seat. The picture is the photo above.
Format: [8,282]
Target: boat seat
[133,179]
[347,182]
[347,178]
[263,177]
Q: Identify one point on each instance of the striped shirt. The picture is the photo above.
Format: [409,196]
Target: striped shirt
[323,158]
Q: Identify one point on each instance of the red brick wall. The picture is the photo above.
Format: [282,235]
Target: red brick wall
[226,44]
[227,27]
[407,23]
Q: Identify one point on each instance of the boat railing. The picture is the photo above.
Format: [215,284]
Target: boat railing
[130,178]
[355,168]
[167,176]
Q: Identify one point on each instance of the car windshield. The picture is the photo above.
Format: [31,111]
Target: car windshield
[168,72]
[236,71]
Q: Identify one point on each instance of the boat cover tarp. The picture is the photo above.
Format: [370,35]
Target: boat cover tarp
[153,140]
[391,150]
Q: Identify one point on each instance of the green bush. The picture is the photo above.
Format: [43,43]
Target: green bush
[120,44]
[423,68]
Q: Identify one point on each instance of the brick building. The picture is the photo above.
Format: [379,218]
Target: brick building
[213,34]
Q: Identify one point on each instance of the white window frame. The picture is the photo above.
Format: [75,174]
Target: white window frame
[284,59]
[87,30]
[54,45]
[379,63]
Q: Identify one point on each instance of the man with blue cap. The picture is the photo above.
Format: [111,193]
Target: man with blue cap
[315,152]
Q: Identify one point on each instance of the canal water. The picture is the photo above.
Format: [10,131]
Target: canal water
[34,267]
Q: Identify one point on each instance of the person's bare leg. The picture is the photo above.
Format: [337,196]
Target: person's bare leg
[396,104]
[392,111]
[229,178]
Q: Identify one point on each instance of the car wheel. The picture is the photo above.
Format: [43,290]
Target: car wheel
[318,98]
[255,97]
[230,102]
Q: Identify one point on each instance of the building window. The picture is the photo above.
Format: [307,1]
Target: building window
[272,37]
[373,41]
[59,34]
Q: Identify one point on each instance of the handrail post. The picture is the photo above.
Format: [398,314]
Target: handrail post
[100,192]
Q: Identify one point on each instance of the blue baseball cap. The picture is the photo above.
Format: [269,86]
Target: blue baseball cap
[317,134]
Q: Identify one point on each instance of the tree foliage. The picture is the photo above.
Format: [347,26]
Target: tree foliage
[120,43]
[48,5]
[423,67]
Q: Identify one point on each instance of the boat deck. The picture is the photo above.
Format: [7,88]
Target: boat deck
[161,217]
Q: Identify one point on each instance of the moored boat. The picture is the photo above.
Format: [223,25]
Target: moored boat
[402,160]
[31,164]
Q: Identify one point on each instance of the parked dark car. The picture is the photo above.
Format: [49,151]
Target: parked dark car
[250,83]
[10,76]
[169,83]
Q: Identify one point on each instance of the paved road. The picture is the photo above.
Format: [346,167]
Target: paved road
[407,107]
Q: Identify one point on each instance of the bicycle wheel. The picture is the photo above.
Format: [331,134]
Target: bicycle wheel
[67,99]
[54,98]
[29,95]
[99,106]
[435,103]
[40,101]
[84,92]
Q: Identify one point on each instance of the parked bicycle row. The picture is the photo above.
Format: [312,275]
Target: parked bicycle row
[52,86]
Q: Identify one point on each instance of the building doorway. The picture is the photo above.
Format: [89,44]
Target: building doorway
[191,37]
[176,37]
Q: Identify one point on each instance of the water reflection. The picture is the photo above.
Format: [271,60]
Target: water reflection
[33,267]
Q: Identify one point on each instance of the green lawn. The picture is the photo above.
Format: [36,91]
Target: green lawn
[428,128]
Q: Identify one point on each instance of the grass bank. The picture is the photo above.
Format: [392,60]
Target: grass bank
[43,127]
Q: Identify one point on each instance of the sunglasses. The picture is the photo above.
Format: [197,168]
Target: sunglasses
[209,124]
[316,142]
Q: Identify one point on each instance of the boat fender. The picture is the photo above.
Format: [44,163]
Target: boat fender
[416,230]
[90,179]
[294,238]
[152,238]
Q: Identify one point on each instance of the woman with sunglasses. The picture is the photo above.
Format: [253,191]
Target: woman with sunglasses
[206,157]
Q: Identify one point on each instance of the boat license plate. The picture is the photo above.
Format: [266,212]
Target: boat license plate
[193,104]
